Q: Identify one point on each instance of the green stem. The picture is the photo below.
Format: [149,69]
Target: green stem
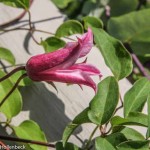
[90,138]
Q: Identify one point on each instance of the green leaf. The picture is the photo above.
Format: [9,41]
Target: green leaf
[69,146]
[122,6]
[69,28]
[129,133]
[17,3]
[52,43]
[141,48]
[134,145]
[135,31]
[103,144]
[100,109]
[7,55]
[116,138]
[78,120]
[13,104]
[92,22]
[136,97]
[62,3]
[134,118]
[113,51]
[138,23]
[73,9]
[148,103]
[30,130]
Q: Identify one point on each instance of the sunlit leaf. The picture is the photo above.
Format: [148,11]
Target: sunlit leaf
[103,144]
[100,109]
[13,105]
[7,55]
[69,28]
[30,130]
[115,55]
[134,118]
[62,3]
[17,3]
[92,22]
[52,43]
[136,97]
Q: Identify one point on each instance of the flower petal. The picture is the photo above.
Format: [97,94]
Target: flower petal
[66,76]
[87,42]
[79,50]
[63,58]
[46,61]
[87,68]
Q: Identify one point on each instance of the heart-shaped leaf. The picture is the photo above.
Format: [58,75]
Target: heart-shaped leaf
[30,130]
[69,28]
[52,43]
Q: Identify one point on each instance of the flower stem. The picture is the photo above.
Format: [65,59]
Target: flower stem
[90,138]
[12,72]
[137,61]
[26,141]
[13,88]
[140,66]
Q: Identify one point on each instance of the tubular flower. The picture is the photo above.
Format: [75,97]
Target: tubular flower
[61,66]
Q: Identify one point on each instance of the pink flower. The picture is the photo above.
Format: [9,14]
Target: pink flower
[60,65]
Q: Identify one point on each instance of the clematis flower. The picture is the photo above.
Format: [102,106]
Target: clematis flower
[61,66]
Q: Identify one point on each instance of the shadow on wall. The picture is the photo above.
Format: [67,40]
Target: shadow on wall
[46,109]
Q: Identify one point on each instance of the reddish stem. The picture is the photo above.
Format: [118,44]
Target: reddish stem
[13,88]
[12,72]
[26,141]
